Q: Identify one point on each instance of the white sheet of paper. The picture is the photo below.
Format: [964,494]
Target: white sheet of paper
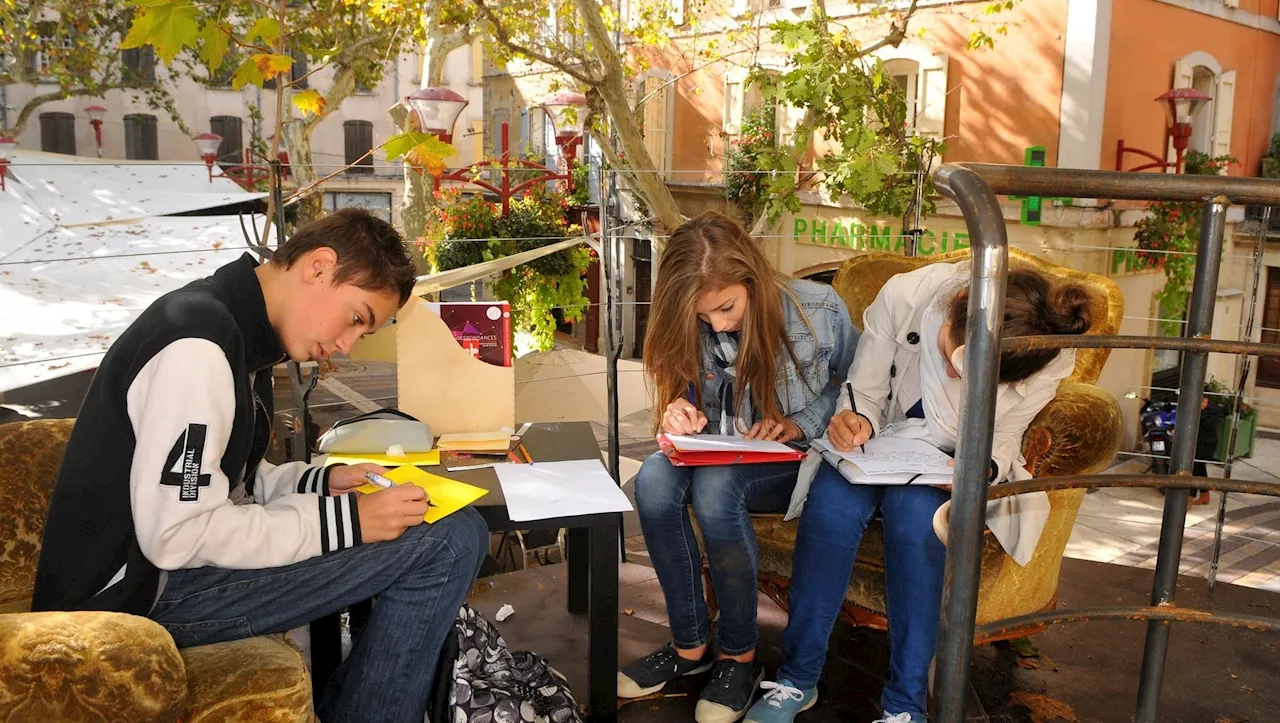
[544,490]
[725,443]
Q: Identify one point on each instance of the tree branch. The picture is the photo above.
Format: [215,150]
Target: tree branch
[501,34]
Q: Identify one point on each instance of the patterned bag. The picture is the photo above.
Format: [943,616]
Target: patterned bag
[480,681]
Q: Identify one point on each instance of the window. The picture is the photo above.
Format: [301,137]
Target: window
[379,204]
[906,73]
[358,141]
[139,64]
[50,45]
[58,133]
[140,138]
[1211,126]
[1269,368]
[657,101]
[231,150]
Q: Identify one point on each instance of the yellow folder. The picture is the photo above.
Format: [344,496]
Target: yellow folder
[424,459]
[448,496]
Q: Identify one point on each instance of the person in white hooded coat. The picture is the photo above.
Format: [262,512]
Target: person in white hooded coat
[907,381]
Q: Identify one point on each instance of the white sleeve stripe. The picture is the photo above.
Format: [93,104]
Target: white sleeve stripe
[314,486]
[337,523]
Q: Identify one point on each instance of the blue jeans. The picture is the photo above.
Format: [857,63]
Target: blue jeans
[835,516]
[722,499]
[420,580]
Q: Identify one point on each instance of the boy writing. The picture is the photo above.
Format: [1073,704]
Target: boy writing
[164,506]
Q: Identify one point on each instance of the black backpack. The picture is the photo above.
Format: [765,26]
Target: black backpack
[480,681]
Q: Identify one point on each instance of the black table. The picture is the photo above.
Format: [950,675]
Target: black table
[591,548]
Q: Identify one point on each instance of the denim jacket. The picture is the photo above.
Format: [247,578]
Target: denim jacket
[807,395]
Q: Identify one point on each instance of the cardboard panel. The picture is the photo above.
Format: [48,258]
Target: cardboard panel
[443,384]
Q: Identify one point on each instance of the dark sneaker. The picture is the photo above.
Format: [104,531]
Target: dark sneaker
[728,695]
[648,674]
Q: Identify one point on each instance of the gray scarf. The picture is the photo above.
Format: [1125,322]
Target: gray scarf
[733,422]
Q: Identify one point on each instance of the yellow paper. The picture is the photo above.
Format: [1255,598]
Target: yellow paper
[425,459]
[447,495]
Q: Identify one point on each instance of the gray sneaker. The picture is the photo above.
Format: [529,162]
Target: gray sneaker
[728,695]
[650,673]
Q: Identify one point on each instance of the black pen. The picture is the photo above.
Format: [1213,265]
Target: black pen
[853,404]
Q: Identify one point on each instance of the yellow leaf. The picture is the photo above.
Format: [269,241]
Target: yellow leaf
[271,65]
[168,26]
[309,101]
[246,74]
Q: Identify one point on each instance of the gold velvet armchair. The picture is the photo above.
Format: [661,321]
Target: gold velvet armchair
[82,666]
[1079,432]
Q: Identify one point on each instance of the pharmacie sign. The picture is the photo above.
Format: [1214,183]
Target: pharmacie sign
[857,236]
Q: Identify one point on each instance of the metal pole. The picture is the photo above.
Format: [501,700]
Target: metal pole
[1245,364]
[1204,289]
[987,280]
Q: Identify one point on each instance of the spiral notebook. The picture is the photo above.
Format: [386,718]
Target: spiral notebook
[889,461]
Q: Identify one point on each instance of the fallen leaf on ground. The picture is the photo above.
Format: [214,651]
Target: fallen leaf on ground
[1043,708]
[628,611]
[1246,689]
[1028,663]
[1024,647]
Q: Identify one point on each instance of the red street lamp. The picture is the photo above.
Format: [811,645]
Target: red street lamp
[7,148]
[566,110]
[208,143]
[437,110]
[1181,106]
[95,119]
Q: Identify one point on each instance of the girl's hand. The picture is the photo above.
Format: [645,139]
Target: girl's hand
[682,417]
[848,430]
[784,430]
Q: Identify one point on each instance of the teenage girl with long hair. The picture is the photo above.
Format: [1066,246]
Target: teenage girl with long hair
[907,380]
[733,347]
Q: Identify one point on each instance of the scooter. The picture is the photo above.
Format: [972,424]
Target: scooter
[1158,419]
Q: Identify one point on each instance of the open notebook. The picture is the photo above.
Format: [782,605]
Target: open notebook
[698,450]
[889,461]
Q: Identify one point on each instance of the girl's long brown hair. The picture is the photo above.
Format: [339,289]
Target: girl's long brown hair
[710,253]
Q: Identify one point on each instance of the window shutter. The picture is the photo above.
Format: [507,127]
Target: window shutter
[230,151]
[931,97]
[140,142]
[58,133]
[1183,77]
[357,140]
[733,103]
[677,12]
[656,110]
[477,141]
[1224,100]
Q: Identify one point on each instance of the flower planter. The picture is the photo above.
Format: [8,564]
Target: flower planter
[1244,436]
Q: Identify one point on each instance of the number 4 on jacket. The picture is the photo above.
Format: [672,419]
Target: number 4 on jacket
[182,466]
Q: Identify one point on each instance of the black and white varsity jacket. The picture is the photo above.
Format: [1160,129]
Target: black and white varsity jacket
[164,468]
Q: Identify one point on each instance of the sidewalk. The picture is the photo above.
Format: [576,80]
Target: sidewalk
[1122,525]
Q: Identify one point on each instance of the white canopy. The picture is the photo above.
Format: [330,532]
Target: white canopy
[86,245]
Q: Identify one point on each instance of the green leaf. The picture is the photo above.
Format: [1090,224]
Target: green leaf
[425,143]
[213,46]
[167,26]
[1024,647]
[246,74]
[265,29]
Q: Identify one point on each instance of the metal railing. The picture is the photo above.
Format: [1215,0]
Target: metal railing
[974,188]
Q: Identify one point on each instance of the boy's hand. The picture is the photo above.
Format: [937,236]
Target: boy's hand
[848,430]
[345,478]
[783,431]
[386,514]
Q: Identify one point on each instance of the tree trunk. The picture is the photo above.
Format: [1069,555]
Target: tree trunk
[648,183]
